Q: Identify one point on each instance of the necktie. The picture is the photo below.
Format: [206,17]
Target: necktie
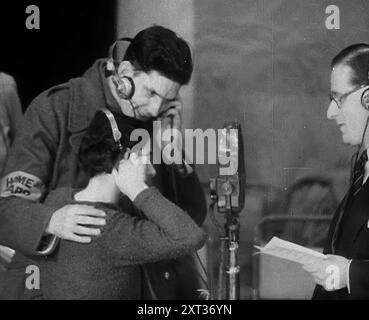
[357,183]
[359,172]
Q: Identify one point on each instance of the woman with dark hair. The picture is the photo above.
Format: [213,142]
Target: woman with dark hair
[145,227]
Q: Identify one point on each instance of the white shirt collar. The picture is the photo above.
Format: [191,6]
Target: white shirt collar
[366,169]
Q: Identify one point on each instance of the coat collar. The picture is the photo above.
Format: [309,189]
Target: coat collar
[88,94]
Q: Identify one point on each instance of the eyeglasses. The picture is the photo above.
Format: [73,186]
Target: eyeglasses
[340,99]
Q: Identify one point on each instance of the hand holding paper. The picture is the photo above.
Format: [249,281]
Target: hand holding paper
[321,270]
[321,267]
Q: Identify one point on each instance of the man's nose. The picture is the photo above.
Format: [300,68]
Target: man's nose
[332,110]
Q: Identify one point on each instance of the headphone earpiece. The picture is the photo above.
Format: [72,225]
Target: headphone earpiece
[365,99]
[125,86]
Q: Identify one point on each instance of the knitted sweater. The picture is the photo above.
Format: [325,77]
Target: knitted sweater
[150,230]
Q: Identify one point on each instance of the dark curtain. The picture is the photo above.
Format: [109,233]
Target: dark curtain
[71,36]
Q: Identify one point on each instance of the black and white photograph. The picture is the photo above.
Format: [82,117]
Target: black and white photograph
[196,151]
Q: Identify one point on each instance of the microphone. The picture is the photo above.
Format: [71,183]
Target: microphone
[228,188]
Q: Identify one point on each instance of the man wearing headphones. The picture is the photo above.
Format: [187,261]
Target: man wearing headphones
[44,156]
[344,273]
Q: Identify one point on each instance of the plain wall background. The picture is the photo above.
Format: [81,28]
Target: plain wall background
[267,65]
[72,35]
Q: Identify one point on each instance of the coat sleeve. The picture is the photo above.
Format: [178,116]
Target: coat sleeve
[10,114]
[359,279]
[23,218]
[165,232]
[190,194]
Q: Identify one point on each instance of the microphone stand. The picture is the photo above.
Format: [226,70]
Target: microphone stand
[233,269]
[229,249]
[227,190]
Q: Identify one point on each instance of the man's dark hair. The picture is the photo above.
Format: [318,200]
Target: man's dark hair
[98,152]
[356,57]
[160,49]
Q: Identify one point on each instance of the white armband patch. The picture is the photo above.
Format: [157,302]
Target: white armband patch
[21,184]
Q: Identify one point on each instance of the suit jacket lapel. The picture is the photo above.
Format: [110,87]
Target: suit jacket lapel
[359,216]
[337,215]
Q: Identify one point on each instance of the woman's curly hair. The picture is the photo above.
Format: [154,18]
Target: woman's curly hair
[98,152]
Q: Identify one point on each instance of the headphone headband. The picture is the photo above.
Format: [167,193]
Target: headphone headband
[125,85]
[114,45]
[117,135]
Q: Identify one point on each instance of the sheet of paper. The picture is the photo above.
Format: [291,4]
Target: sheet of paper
[290,251]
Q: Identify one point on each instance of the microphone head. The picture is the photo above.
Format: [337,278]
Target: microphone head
[231,180]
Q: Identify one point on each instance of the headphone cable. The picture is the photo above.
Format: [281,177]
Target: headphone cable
[133,108]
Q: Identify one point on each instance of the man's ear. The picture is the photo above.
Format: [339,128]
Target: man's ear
[125,69]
